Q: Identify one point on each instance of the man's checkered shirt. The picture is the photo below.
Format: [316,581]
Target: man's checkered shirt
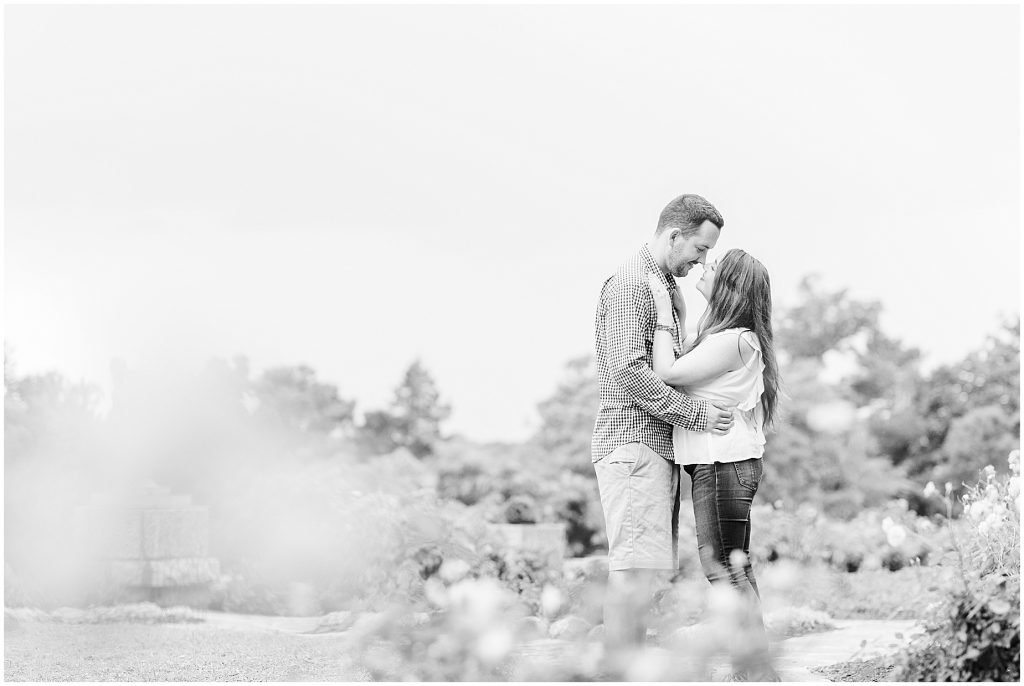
[636,406]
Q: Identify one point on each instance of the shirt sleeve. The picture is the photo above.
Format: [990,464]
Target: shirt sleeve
[629,313]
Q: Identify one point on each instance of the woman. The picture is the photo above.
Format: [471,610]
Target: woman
[731,361]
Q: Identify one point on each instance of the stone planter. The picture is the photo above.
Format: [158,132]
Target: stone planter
[151,546]
[547,541]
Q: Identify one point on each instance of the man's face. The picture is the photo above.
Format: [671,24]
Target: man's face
[685,252]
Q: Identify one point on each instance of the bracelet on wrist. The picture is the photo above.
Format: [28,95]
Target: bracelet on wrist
[665,327]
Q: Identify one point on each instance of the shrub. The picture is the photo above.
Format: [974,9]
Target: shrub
[974,633]
[521,509]
[972,636]
[888,537]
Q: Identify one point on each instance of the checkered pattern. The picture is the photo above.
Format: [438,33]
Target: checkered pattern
[636,406]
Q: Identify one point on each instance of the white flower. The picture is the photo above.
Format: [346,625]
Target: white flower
[724,601]
[781,575]
[896,535]
[551,601]
[977,510]
[1013,486]
[989,471]
[887,524]
[435,592]
[453,570]
[990,524]
[1013,459]
[737,559]
[494,645]
[930,490]
[949,487]
[477,600]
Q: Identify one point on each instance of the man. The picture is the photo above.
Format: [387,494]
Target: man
[632,443]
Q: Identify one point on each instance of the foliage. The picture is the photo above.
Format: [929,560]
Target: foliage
[991,545]
[822,321]
[52,458]
[521,509]
[490,476]
[972,636]
[987,377]
[294,398]
[412,421]
[868,541]
[46,415]
[980,437]
[823,452]
[476,631]
[973,633]
[304,523]
[567,417]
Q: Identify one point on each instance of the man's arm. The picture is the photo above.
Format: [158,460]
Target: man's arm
[629,310]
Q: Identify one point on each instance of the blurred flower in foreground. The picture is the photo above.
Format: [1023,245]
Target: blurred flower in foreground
[551,601]
[737,559]
[494,645]
[990,524]
[949,487]
[895,534]
[989,471]
[724,602]
[780,576]
[477,600]
[930,491]
[435,592]
[453,570]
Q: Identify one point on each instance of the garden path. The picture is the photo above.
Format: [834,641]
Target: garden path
[230,647]
[852,639]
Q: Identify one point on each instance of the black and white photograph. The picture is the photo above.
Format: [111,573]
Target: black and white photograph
[477,341]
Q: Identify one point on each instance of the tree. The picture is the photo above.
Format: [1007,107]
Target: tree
[988,377]
[823,321]
[45,414]
[294,398]
[413,419]
[567,417]
[984,436]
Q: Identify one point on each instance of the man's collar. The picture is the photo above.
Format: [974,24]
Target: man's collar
[652,266]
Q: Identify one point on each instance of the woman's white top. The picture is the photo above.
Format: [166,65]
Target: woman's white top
[741,388]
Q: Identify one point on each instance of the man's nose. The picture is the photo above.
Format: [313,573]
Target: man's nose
[702,258]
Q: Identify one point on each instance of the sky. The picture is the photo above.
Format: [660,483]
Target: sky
[355,187]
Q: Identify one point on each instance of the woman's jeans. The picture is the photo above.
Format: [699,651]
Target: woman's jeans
[722,495]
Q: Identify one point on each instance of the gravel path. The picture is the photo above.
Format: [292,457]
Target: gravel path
[853,639]
[44,651]
[228,647]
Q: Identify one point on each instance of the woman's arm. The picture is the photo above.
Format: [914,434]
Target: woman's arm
[714,356]
[662,353]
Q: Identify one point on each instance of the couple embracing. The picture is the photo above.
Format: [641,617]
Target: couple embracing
[669,401]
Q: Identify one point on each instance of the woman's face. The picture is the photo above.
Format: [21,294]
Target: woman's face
[707,280]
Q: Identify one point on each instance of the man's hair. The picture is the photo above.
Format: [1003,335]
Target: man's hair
[688,212]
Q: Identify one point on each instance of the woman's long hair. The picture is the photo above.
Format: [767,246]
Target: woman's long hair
[742,297]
